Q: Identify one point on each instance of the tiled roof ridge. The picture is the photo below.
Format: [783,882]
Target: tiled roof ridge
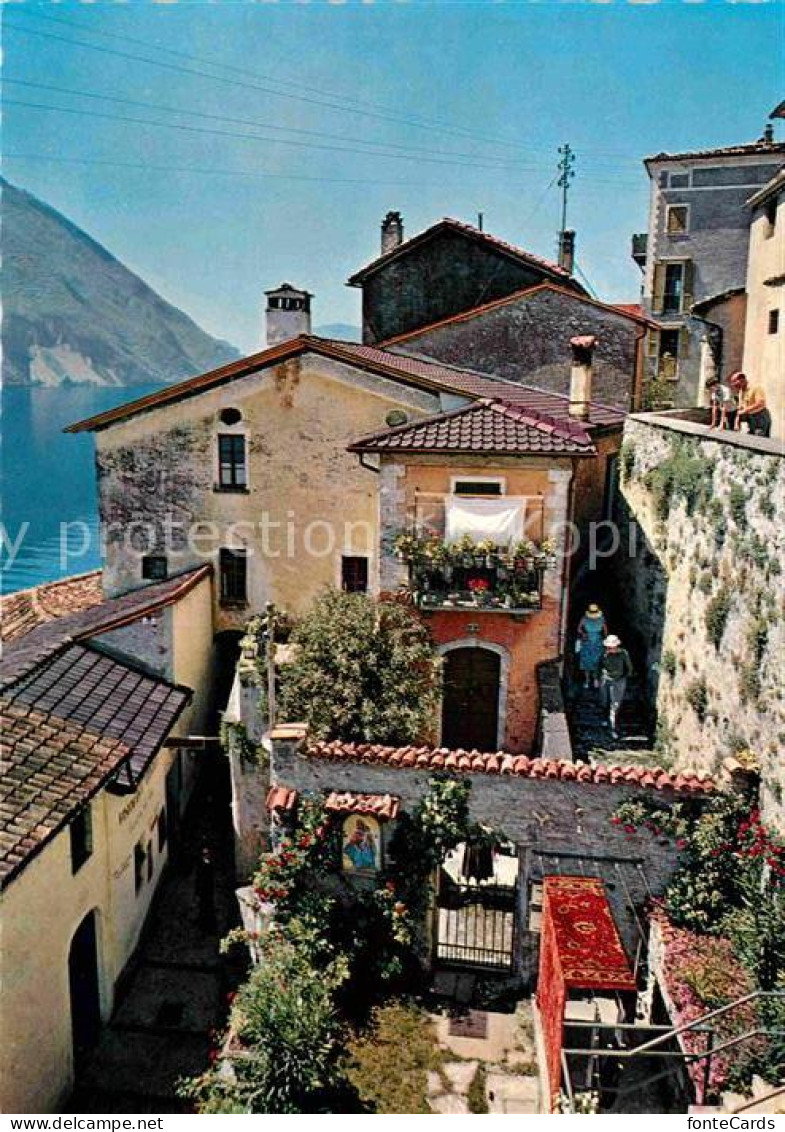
[468,230]
[422,422]
[535,418]
[744,149]
[504,763]
[523,292]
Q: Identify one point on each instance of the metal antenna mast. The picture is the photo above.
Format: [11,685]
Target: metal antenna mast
[566,169]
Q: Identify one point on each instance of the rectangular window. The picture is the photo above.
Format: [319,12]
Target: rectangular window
[770,212]
[679,180]
[81,830]
[668,356]
[354,574]
[139,860]
[233,570]
[677,219]
[478,487]
[163,832]
[674,288]
[150,862]
[774,321]
[155,567]
[231,462]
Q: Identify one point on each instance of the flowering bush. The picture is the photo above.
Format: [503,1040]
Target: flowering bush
[478,585]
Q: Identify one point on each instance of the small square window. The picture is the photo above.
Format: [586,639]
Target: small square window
[155,567]
[233,576]
[677,219]
[81,830]
[354,574]
[679,180]
[774,321]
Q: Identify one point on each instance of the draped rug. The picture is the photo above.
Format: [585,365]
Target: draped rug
[580,949]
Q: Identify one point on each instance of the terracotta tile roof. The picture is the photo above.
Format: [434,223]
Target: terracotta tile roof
[22,654]
[492,427]
[749,149]
[632,311]
[500,762]
[280,798]
[382,806]
[67,728]
[26,609]
[449,224]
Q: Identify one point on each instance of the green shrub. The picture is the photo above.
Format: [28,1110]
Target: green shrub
[627,460]
[698,698]
[668,663]
[757,639]
[363,671]
[685,474]
[388,1064]
[749,683]
[717,612]
[738,506]
[476,1097]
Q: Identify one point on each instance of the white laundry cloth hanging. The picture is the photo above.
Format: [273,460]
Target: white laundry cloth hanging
[500,520]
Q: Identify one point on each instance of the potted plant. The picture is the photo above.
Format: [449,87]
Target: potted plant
[407,546]
[546,555]
[465,550]
[487,548]
[523,556]
[480,590]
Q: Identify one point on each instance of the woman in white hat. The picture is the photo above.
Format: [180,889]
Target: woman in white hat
[616,667]
[591,630]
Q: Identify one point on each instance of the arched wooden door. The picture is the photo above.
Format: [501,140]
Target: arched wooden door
[470,703]
[83,988]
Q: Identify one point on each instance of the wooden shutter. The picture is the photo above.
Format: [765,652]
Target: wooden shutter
[684,342]
[658,288]
[688,285]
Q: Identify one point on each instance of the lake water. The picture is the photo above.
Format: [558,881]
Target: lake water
[48,481]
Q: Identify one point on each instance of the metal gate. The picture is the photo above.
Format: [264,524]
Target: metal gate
[475,923]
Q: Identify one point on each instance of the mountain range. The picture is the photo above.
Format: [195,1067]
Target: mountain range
[74,314]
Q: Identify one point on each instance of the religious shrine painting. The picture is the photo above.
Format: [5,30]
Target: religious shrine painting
[361,844]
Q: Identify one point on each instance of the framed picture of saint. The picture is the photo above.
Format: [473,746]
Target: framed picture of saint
[361,844]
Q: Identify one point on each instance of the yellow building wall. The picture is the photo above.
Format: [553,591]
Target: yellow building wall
[764,353]
[314,496]
[42,908]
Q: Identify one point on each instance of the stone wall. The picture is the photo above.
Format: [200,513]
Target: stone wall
[543,816]
[442,276]
[527,339]
[703,592]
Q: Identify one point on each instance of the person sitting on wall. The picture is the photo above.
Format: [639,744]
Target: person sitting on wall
[616,668]
[723,404]
[752,405]
[591,632]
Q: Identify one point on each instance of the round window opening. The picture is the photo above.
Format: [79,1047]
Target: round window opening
[396,417]
[231,416]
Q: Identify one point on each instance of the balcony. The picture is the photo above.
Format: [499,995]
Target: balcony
[469,575]
[639,245]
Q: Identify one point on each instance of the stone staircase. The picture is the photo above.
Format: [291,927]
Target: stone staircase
[591,735]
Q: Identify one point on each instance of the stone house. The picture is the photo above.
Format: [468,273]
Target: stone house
[694,259]
[764,338]
[97,709]
[462,296]
[519,473]
[448,268]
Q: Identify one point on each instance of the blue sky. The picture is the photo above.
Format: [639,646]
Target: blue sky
[476,98]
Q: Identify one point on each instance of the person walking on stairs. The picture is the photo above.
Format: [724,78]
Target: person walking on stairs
[615,669]
[591,631]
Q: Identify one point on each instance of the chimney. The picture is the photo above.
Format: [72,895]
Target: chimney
[581,375]
[567,250]
[768,134]
[288,313]
[392,232]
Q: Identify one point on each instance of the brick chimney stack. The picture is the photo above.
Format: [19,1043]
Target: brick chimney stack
[392,232]
[581,375]
[567,250]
